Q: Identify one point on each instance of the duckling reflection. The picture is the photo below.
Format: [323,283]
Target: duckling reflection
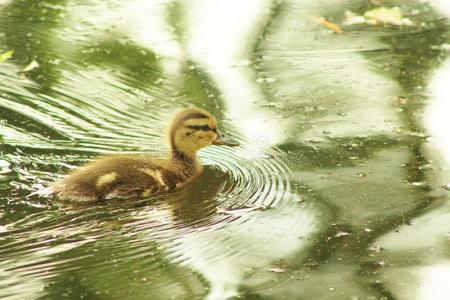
[196,204]
[130,176]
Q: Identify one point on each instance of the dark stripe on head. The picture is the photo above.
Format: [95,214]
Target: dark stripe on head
[199,127]
[195,115]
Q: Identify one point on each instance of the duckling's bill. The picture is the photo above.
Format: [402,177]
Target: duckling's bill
[223,140]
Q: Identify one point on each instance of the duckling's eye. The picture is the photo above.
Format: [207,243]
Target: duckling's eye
[200,127]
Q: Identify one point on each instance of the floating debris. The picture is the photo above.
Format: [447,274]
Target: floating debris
[361,175]
[418,134]
[376,248]
[300,200]
[399,100]
[265,80]
[378,16]
[446,186]
[55,61]
[367,230]
[6,55]
[341,233]
[418,183]
[384,15]
[353,19]
[238,211]
[330,25]
[276,270]
[31,66]
[426,167]
[270,104]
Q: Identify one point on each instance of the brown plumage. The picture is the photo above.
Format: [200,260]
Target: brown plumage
[127,176]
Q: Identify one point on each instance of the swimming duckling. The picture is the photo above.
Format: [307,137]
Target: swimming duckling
[128,176]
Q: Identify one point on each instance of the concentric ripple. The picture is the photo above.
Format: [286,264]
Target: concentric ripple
[253,181]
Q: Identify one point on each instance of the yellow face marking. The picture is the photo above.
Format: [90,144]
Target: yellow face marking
[155,174]
[179,184]
[146,193]
[212,123]
[105,179]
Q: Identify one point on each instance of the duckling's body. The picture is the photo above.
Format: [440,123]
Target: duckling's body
[128,176]
[125,176]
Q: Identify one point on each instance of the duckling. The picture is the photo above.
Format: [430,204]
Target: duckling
[129,176]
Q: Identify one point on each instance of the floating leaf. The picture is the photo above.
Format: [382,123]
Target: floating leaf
[385,15]
[330,25]
[378,16]
[31,66]
[6,55]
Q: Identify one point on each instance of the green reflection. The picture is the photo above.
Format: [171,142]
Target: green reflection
[121,55]
[29,27]
[363,185]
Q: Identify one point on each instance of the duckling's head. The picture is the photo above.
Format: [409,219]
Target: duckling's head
[193,129]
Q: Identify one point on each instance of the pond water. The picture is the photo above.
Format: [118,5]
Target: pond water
[343,140]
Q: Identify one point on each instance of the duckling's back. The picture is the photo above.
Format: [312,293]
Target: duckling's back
[122,176]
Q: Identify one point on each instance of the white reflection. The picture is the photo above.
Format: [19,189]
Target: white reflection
[142,21]
[224,256]
[437,114]
[428,234]
[428,231]
[435,282]
[18,275]
[4,2]
[18,286]
[221,35]
[441,5]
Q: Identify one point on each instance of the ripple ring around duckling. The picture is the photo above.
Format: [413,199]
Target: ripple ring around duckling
[254,181]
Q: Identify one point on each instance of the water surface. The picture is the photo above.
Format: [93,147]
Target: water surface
[342,141]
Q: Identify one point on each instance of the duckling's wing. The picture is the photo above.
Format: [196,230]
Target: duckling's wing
[114,177]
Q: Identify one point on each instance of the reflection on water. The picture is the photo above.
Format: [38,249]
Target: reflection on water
[341,136]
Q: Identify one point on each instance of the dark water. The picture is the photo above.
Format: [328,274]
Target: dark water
[334,144]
